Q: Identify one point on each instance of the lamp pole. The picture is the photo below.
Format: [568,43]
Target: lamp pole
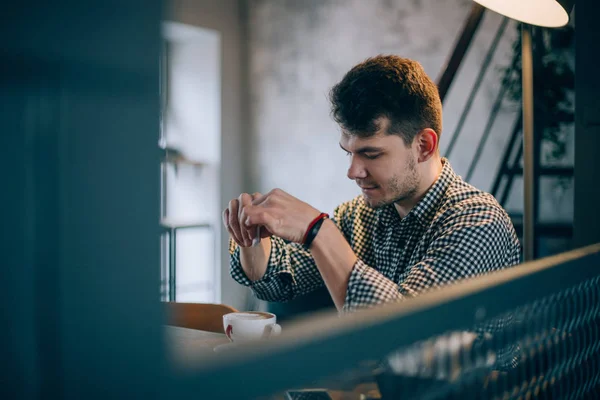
[528,143]
[547,13]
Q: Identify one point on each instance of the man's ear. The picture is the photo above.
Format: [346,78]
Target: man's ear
[427,144]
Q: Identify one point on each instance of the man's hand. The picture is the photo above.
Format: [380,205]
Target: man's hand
[233,218]
[254,260]
[280,214]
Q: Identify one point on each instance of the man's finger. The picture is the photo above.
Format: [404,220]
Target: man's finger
[226,224]
[256,233]
[245,200]
[233,222]
[260,198]
[269,196]
[225,217]
[275,196]
[260,216]
[234,238]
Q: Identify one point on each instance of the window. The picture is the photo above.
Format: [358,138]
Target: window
[190,90]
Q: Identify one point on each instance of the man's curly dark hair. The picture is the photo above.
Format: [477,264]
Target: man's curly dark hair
[387,86]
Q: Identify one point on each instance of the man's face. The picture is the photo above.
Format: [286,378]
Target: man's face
[383,167]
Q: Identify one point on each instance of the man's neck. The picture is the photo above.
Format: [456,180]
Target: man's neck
[430,174]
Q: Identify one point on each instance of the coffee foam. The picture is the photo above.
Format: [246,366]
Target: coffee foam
[250,316]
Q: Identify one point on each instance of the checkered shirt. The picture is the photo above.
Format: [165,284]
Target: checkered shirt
[456,231]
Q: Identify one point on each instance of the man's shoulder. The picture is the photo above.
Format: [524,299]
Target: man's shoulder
[478,216]
[462,197]
[461,193]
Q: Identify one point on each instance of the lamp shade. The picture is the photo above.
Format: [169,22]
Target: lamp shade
[548,13]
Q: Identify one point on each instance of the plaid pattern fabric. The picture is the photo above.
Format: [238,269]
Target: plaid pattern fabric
[456,231]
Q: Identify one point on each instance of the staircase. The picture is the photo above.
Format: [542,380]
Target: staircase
[510,166]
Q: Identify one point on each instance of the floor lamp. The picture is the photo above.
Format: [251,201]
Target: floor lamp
[545,13]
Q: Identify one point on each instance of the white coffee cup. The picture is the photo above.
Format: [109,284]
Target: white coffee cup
[250,325]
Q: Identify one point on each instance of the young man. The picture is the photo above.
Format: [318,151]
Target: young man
[416,226]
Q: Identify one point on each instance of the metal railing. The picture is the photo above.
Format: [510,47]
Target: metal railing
[528,331]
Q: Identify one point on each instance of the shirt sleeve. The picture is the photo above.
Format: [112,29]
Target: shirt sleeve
[291,269]
[470,242]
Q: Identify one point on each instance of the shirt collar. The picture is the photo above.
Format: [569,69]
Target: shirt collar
[425,209]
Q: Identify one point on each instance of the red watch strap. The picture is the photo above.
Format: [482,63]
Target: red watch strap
[310,226]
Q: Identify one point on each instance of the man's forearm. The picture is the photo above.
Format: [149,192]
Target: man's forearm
[335,259]
[255,259]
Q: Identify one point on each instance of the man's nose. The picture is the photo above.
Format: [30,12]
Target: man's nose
[356,170]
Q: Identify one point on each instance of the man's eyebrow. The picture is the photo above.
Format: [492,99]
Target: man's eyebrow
[365,149]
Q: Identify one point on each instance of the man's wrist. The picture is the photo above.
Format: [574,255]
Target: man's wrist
[255,259]
[326,229]
[335,260]
[313,230]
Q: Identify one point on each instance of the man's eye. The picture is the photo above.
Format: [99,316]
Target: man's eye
[348,153]
[372,156]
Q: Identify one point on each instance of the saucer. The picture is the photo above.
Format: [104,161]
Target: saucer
[225,347]
[232,345]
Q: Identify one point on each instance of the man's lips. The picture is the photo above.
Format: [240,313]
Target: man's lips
[368,187]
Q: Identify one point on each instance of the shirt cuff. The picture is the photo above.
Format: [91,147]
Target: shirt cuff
[278,279]
[367,288]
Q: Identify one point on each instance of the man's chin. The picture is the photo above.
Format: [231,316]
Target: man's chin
[374,202]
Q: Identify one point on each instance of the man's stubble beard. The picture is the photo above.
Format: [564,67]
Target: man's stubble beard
[402,190]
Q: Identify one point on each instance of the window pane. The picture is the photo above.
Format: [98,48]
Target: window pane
[195,265]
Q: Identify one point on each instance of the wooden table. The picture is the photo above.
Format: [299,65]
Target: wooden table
[191,346]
